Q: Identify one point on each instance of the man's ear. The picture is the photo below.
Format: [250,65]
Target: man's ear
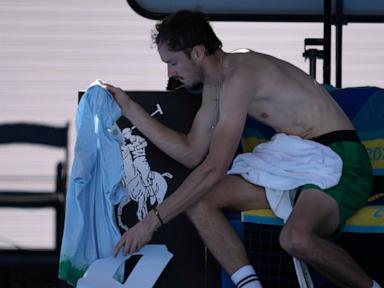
[198,53]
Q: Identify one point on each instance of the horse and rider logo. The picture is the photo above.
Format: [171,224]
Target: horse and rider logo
[140,182]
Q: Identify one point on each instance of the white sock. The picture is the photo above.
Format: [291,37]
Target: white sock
[375,285]
[246,277]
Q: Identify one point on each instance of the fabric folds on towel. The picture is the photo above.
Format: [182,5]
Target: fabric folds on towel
[94,186]
[283,164]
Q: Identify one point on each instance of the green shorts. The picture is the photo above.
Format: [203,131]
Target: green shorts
[355,184]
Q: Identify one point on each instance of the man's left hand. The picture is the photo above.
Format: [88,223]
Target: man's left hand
[135,238]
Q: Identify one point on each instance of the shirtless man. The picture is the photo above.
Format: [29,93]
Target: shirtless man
[275,93]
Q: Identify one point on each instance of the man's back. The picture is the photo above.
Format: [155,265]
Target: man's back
[284,97]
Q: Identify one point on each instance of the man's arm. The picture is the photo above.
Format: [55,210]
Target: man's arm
[224,142]
[185,149]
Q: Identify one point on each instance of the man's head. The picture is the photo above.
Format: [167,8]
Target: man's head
[184,30]
[183,39]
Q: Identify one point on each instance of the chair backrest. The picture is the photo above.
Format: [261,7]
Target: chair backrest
[40,135]
[34,133]
[37,135]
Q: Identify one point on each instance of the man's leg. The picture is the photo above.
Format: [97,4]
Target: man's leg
[315,217]
[232,193]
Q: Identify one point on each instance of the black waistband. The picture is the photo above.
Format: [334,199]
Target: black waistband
[336,136]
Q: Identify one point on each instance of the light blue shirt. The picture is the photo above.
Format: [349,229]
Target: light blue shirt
[90,231]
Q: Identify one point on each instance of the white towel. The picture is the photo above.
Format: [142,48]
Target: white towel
[285,163]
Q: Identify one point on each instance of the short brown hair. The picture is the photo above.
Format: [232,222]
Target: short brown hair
[184,30]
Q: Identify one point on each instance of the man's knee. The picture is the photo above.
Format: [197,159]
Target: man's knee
[296,242]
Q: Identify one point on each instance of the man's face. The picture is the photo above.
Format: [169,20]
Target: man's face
[181,67]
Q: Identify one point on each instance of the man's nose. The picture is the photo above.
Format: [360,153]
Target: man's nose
[171,72]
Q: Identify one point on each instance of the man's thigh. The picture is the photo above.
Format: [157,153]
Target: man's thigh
[234,193]
[315,212]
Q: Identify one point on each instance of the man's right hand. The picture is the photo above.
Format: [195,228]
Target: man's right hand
[120,96]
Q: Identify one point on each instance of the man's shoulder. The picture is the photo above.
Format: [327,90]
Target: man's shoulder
[241,73]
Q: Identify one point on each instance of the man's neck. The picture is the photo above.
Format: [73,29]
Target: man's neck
[213,69]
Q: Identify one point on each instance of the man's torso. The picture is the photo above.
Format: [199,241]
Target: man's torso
[282,96]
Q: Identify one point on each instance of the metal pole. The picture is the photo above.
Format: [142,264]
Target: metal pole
[340,21]
[312,66]
[327,41]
